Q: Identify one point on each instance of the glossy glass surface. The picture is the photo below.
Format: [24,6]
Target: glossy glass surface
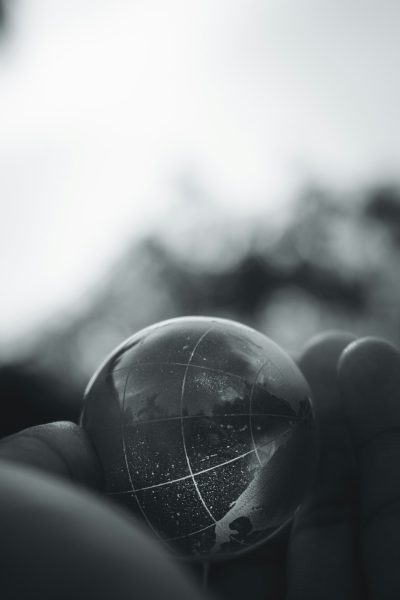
[205,431]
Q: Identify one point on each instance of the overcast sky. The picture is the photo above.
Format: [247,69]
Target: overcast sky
[105,104]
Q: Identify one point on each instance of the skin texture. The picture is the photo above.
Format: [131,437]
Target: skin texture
[61,540]
[323,544]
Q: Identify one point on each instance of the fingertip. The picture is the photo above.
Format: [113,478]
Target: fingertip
[318,362]
[324,349]
[367,359]
[369,378]
[331,338]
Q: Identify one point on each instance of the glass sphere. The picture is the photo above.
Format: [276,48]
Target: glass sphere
[205,431]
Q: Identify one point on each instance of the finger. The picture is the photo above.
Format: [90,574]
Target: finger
[321,559]
[263,571]
[60,448]
[369,374]
[61,542]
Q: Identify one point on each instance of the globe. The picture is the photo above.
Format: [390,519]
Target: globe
[205,431]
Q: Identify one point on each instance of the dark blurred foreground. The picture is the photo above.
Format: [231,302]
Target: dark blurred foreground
[333,264]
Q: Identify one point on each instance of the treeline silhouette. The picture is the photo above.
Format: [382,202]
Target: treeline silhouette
[335,264]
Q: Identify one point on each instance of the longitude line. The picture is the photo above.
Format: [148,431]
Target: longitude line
[128,469]
[201,338]
[250,411]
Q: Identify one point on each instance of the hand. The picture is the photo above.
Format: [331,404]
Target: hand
[61,541]
[345,541]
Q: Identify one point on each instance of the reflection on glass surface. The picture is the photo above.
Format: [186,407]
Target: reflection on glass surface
[195,438]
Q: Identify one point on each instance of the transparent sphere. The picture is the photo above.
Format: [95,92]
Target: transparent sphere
[205,431]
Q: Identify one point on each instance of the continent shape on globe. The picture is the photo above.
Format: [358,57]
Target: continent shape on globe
[205,430]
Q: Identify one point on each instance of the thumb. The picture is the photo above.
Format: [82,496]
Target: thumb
[60,448]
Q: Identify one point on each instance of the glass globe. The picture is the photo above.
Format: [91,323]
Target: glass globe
[205,431]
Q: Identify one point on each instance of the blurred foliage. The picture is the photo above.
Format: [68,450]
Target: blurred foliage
[333,263]
[2,14]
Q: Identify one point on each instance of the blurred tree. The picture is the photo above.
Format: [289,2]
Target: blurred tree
[383,204]
[335,264]
[2,14]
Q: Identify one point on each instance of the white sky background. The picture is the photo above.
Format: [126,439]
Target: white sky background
[105,103]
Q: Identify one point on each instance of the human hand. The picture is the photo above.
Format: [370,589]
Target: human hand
[59,540]
[345,540]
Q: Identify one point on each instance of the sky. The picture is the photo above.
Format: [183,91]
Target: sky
[105,105]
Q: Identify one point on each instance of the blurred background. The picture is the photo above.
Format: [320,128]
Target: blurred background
[237,158]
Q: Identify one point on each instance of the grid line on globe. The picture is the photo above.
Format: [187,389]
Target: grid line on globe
[149,523]
[227,462]
[218,403]
[201,338]
[192,475]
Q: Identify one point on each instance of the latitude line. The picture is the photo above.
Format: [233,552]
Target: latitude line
[139,422]
[171,481]
[213,417]
[202,367]
[201,338]
[182,537]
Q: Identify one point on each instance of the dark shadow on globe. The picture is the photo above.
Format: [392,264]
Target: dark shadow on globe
[205,431]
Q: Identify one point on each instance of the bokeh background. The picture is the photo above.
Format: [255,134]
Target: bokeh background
[237,158]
